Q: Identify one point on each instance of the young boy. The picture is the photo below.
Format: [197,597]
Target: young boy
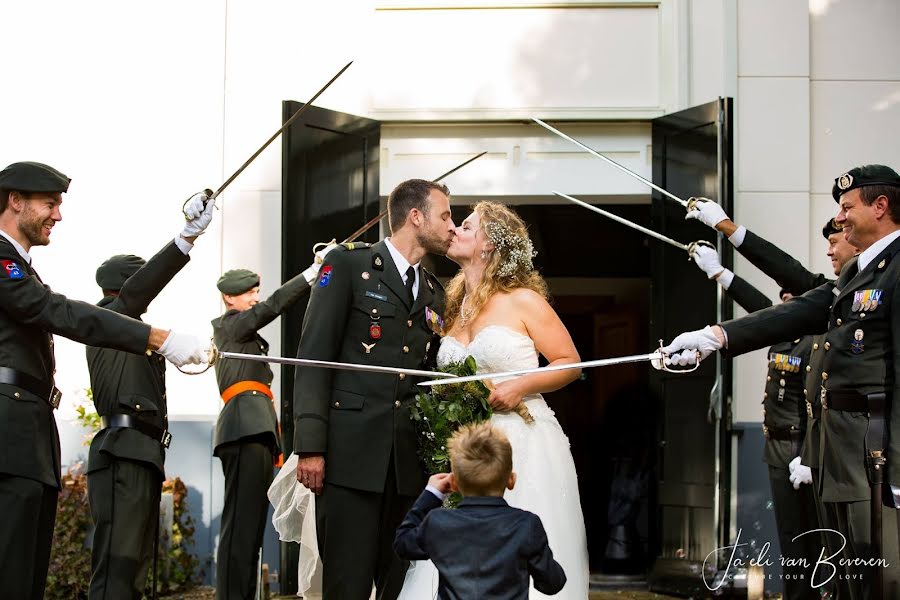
[485,549]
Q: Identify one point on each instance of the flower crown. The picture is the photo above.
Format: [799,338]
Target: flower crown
[519,249]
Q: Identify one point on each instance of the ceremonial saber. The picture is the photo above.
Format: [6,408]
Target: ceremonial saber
[684,203]
[294,117]
[657,360]
[384,213]
[626,222]
[323,364]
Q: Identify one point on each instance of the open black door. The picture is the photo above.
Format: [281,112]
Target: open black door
[329,170]
[692,156]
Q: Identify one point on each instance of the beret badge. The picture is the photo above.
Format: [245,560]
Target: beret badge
[845,181]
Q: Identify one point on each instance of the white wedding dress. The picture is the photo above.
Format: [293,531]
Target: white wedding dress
[547,484]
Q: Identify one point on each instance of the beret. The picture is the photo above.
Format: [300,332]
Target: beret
[237,281]
[863,176]
[830,228]
[33,177]
[113,273]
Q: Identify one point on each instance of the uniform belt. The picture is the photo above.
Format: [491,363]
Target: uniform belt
[781,433]
[850,400]
[40,388]
[131,422]
[246,386]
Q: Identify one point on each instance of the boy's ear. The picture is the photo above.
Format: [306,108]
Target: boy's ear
[453,485]
[511,482]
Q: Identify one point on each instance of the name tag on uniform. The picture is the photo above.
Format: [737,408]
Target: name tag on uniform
[381,297]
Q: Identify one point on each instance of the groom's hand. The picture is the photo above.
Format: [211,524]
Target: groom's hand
[311,472]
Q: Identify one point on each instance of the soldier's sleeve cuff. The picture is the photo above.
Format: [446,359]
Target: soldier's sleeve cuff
[725,279]
[737,238]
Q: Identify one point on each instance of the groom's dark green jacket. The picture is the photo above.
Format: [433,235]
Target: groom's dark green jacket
[359,312]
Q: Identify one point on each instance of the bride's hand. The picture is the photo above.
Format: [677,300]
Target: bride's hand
[506,396]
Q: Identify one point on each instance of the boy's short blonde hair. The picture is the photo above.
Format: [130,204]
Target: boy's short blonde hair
[481,459]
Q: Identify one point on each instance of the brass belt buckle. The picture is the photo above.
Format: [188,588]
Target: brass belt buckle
[823,396]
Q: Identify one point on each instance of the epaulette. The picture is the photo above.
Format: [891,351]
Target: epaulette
[355,245]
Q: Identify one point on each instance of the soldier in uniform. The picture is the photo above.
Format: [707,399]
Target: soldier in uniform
[247,434]
[859,315]
[784,424]
[30,313]
[125,464]
[374,305]
[788,272]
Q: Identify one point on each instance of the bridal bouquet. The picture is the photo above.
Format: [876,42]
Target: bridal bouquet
[437,413]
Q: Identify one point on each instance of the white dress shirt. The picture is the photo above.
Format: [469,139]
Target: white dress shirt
[403,266]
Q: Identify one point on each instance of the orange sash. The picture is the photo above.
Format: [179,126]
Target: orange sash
[253,386]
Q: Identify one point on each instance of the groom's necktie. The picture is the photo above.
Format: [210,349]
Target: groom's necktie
[410,282]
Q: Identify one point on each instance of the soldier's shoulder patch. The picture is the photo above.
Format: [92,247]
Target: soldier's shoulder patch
[355,245]
[11,269]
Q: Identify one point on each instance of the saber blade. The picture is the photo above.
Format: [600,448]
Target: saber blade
[610,161]
[625,222]
[603,362]
[374,221]
[287,124]
[326,364]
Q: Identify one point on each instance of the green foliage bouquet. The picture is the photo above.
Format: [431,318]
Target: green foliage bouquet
[439,412]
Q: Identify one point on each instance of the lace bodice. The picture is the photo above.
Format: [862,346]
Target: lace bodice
[495,348]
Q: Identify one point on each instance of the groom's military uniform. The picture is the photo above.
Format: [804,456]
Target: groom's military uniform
[361,311]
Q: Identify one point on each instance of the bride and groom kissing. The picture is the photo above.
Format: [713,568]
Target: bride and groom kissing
[352,432]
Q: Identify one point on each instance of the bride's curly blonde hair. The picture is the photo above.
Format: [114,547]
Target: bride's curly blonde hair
[508,268]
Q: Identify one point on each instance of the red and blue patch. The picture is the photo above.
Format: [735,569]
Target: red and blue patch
[12,270]
[325,276]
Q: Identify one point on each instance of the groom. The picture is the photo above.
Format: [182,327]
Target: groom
[357,447]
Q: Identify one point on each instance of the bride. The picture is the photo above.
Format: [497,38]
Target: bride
[497,312]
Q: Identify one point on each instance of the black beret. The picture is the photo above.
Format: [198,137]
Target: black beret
[784,291]
[113,273]
[237,281]
[33,177]
[863,176]
[831,228]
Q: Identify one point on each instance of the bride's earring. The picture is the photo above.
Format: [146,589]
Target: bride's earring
[483,254]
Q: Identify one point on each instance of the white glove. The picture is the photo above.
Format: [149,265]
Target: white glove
[800,473]
[312,272]
[199,217]
[683,349]
[708,260]
[184,349]
[707,212]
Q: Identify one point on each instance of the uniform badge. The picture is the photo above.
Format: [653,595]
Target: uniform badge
[785,362]
[882,263]
[845,181]
[434,320]
[325,276]
[12,270]
[377,262]
[856,346]
[368,347]
[364,275]
[374,331]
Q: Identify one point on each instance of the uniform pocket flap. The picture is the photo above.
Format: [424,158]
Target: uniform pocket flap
[138,403]
[375,307]
[342,400]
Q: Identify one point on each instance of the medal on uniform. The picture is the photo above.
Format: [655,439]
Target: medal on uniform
[434,320]
[374,330]
[856,346]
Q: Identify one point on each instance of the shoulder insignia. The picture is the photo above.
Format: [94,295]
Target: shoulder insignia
[432,279]
[355,245]
[377,262]
[883,263]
